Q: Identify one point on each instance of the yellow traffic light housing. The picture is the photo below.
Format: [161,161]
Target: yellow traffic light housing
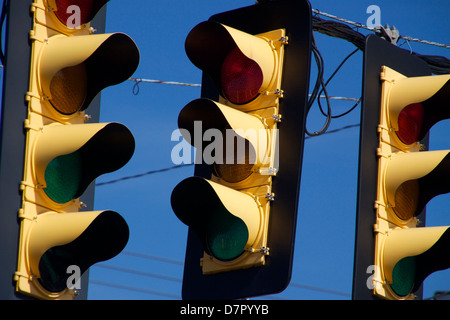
[408,178]
[242,126]
[69,66]
[248,130]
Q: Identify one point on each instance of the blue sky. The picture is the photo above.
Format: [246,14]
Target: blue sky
[323,258]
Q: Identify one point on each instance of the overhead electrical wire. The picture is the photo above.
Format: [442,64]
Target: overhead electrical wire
[326,83]
[315,93]
[359,25]
[437,64]
[99,184]
[174,279]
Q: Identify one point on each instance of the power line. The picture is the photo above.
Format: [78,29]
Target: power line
[143,174]
[337,130]
[119,286]
[191,164]
[359,25]
[150,257]
[437,64]
[307,287]
[177,262]
[137,272]
[138,80]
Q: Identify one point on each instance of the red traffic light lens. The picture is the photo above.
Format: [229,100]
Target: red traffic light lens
[410,122]
[241,77]
[74,13]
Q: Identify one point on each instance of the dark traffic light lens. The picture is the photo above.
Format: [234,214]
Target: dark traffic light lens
[241,77]
[407,199]
[238,163]
[63,177]
[69,89]
[410,121]
[104,238]
[403,276]
[227,235]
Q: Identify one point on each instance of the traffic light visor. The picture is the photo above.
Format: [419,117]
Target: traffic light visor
[416,104]
[241,140]
[241,65]
[410,255]
[57,241]
[227,221]
[73,70]
[68,158]
[413,179]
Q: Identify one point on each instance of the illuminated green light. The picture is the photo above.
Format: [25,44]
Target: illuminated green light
[63,177]
[403,276]
[227,235]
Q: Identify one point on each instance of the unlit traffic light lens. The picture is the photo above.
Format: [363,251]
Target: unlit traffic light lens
[241,77]
[104,238]
[403,276]
[226,235]
[237,165]
[63,177]
[69,89]
[407,199]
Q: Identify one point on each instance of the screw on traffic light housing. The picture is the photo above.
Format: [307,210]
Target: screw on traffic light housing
[248,127]
[69,66]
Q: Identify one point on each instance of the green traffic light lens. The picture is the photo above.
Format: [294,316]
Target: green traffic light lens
[104,238]
[63,177]
[403,276]
[226,235]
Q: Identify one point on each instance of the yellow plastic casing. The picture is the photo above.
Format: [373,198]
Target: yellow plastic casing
[397,238]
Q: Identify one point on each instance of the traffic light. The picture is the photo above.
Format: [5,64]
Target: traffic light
[241,205]
[69,66]
[408,178]
[243,153]
[398,176]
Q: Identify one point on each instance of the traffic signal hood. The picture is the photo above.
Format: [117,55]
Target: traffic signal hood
[408,178]
[69,66]
[73,70]
[231,224]
[64,159]
[242,66]
[411,106]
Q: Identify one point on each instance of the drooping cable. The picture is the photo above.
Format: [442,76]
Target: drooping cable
[315,93]
[329,79]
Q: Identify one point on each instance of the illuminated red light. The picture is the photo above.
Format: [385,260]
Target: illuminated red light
[410,122]
[241,77]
